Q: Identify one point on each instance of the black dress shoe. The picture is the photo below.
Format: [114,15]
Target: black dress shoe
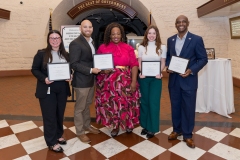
[62,142]
[58,150]
[144,131]
[150,134]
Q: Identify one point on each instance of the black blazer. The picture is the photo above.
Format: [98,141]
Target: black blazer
[41,73]
[81,61]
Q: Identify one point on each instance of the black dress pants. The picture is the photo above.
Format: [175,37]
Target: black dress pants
[53,107]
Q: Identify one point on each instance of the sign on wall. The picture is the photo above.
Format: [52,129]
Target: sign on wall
[69,33]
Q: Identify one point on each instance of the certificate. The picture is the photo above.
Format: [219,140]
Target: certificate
[58,71]
[151,68]
[103,61]
[178,64]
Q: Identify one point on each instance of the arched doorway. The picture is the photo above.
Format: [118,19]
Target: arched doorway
[101,17]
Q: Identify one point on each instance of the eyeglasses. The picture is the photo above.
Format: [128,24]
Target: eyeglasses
[54,38]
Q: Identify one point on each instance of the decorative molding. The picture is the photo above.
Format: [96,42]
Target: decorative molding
[213,5]
[5,14]
[92,4]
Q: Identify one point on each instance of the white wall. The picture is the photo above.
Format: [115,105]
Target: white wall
[25,32]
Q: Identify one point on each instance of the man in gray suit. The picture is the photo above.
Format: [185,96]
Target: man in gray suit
[81,60]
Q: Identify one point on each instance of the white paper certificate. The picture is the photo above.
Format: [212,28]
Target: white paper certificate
[151,68]
[58,71]
[178,64]
[103,61]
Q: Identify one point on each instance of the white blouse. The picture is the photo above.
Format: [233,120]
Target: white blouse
[151,54]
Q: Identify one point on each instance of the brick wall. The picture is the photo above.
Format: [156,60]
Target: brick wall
[25,32]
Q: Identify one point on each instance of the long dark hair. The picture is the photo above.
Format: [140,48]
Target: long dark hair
[158,39]
[108,30]
[62,52]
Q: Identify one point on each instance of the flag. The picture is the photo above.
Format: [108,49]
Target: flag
[50,20]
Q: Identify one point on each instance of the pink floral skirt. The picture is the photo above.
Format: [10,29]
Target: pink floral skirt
[115,104]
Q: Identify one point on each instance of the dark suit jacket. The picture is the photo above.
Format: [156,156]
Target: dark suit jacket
[194,50]
[81,61]
[41,73]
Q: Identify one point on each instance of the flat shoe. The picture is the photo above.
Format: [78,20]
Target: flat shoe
[58,150]
[144,131]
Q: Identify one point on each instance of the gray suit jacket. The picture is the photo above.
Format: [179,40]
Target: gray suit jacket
[81,61]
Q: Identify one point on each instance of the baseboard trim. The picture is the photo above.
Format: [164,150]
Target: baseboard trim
[11,73]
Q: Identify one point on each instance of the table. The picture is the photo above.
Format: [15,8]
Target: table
[215,88]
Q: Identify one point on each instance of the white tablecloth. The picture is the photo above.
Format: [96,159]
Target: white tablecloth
[215,88]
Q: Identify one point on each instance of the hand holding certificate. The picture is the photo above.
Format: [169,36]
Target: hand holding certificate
[103,61]
[178,64]
[58,71]
[151,68]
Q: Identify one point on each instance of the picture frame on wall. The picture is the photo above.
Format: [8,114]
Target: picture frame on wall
[210,53]
[235,27]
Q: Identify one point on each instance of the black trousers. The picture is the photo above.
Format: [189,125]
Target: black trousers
[53,107]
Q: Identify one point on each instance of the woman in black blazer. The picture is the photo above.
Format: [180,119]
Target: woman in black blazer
[52,95]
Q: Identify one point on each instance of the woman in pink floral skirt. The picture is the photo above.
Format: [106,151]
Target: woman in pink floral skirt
[117,91]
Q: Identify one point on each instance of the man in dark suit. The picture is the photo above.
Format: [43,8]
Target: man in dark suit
[183,87]
[81,60]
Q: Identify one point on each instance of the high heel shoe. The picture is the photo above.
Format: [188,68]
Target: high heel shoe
[114,132]
[58,150]
[62,142]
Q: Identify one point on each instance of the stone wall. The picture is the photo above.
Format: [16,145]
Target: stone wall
[25,32]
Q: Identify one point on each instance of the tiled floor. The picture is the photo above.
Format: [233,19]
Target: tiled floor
[21,137]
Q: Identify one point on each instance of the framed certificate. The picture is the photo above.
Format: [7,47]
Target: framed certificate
[150,68]
[103,61]
[58,71]
[178,64]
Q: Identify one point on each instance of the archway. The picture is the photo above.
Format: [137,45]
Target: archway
[100,17]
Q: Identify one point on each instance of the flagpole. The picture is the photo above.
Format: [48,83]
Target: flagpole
[50,19]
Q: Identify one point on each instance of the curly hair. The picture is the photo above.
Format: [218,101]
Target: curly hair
[108,30]
[62,52]
[158,39]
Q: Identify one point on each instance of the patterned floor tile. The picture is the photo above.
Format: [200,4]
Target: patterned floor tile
[34,145]
[9,140]
[167,155]
[5,131]
[88,154]
[148,149]
[23,126]
[110,147]
[12,152]
[235,132]
[184,151]
[211,134]
[225,151]
[3,123]
[73,146]
[127,154]
[231,141]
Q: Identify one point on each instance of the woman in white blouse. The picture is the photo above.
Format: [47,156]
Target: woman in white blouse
[151,49]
